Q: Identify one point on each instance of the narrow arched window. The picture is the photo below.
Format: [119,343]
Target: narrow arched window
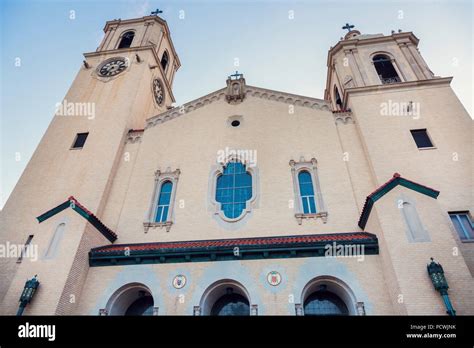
[164,60]
[337,98]
[233,189]
[306,192]
[416,231]
[164,199]
[385,69]
[55,239]
[126,40]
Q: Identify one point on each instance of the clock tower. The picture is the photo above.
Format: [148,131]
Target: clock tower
[126,80]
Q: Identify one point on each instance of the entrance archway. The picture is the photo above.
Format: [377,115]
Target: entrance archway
[225,298]
[131,299]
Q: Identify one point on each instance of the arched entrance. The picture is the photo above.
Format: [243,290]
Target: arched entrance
[131,299]
[327,296]
[225,298]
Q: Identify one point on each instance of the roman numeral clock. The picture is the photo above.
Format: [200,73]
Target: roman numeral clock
[112,67]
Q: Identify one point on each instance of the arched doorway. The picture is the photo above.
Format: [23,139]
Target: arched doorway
[131,299]
[327,296]
[225,298]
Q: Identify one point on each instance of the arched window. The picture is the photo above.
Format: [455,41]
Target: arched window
[306,192]
[231,304]
[233,189]
[324,302]
[415,230]
[385,69]
[55,239]
[337,98]
[126,40]
[164,199]
[164,60]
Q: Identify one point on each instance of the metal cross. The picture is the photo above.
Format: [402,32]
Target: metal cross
[348,27]
[236,75]
[156,12]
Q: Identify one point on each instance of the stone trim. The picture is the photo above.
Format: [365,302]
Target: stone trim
[299,309]
[160,178]
[250,91]
[254,309]
[343,117]
[134,136]
[360,308]
[310,167]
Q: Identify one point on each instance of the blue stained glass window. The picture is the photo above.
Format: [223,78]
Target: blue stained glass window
[164,202]
[307,192]
[233,189]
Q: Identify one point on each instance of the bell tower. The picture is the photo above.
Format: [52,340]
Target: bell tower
[126,80]
[399,117]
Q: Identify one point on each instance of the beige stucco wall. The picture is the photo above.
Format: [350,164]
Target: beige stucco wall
[115,178]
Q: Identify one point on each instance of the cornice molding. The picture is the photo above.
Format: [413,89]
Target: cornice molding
[250,91]
[437,81]
[343,117]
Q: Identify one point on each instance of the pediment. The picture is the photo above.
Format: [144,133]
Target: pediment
[250,92]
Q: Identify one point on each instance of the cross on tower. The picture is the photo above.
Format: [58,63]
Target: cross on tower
[156,12]
[236,75]
[348,27]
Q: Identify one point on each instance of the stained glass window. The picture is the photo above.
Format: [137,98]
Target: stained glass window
[233,189]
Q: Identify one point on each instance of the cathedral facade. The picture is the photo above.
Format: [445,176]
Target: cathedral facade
[246,201]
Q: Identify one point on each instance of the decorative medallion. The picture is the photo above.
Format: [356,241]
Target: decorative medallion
[179,281]
[112,67]
[158,91]
[274,278]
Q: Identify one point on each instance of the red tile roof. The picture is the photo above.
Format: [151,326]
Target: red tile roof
[259,241]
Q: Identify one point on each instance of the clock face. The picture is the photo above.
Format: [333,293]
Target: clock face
[158,91]
[112,67]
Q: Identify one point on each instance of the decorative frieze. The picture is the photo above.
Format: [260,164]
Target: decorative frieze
[343,117]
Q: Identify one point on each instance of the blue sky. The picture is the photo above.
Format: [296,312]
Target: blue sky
[274,51]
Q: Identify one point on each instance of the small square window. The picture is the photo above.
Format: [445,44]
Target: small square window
[421,138]
[463,224]
[80,140]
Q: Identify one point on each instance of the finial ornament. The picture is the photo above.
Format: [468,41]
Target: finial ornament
[348,27]
[156,12]
[236,75]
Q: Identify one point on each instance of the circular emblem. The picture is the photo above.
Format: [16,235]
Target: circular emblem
[158,91]
[112,67]
[179,281]
[274,278]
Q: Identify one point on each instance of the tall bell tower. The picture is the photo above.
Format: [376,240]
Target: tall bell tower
[126,80]
[405,119]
